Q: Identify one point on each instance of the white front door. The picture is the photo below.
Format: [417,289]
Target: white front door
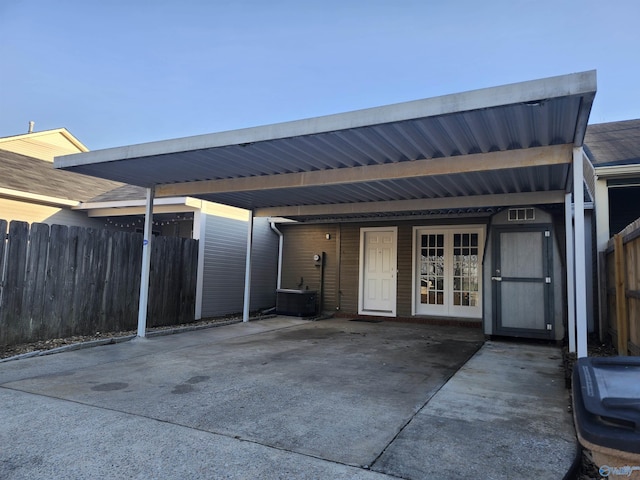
[448,271]
[378,260]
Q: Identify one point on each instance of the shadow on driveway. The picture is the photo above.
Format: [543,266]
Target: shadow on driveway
[279,398]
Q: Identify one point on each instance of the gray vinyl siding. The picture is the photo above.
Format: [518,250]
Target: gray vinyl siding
[225,249]
[264,271]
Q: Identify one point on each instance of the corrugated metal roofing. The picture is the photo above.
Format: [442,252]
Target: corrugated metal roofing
[532,114]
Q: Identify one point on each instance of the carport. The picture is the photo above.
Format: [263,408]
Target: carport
[507,146]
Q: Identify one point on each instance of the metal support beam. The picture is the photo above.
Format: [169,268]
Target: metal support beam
[571,298]
[247,271]
[478,162]
[580,254]
[199,230]
[470,201]
[146,264]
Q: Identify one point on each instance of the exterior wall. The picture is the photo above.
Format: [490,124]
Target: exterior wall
[342,251]
[224,257]
[299,271]
[43,145]
[264,271]
[341,284]
[36,213]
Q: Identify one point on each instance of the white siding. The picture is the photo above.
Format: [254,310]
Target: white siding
[43,145]
[224,265]
[36,213]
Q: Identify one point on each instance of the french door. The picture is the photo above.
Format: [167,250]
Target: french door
[448,271]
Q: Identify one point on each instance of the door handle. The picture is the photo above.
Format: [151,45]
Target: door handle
[497,279]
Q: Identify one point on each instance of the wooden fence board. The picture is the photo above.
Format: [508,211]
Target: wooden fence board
[14,280]
[3,243]
[74,281]
[623,301]
[33,300]
[56,279]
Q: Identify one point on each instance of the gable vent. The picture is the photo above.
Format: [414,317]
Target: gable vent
[521,214]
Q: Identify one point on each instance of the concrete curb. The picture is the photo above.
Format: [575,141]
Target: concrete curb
[126,338]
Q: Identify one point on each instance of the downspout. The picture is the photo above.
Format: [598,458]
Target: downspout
[280,247]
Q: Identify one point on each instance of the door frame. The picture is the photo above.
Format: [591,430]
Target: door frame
[451,310]
[547,272]
[361,286]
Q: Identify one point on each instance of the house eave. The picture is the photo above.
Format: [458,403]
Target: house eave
[37,198]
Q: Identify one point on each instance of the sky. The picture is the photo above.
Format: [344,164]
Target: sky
[122,72]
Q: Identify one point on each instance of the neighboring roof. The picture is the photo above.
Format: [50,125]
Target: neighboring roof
[461,145]
[613,143]
[122,193]
[20,173]
[44,145]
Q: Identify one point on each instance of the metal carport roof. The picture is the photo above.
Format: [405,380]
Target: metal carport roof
[517,144]
[421,155]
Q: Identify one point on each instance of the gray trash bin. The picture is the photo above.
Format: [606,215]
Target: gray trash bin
[606,406]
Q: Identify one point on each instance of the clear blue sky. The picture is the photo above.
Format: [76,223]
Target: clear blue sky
[120,72]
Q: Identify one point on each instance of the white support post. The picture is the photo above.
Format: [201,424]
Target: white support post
[146,264]
[580,256]
[199,228]
[247,272]
[571,298]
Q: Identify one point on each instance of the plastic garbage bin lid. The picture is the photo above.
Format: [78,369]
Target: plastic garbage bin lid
[610,388]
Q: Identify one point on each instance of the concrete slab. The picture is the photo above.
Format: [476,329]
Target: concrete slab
[279,398]
[502,416]
[41,437]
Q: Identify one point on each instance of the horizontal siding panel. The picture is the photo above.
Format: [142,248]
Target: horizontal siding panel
[224,259]
[300,271]
[35,213]
[342,288]
[225,263]
[264,271]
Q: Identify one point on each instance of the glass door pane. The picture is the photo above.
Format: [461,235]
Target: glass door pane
[466,285]
[448,266]
[432,281]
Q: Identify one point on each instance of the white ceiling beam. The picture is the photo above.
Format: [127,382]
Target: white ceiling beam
[530,157]
[124,211]
[472,201]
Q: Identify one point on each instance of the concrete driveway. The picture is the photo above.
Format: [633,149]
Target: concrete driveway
[278,398]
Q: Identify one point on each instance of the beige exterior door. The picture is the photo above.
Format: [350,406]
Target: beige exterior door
[378,271]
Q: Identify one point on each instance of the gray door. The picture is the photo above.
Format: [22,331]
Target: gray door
[521,278]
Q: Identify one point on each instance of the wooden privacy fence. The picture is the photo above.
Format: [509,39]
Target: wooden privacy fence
[622,260]
[58,281]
